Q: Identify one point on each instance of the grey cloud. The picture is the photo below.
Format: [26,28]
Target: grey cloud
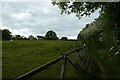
[42,17]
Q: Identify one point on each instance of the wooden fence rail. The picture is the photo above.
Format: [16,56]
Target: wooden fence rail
[45,66]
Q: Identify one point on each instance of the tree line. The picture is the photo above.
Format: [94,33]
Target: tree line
[50,35]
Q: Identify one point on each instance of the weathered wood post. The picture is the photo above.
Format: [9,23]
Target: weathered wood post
[63,66]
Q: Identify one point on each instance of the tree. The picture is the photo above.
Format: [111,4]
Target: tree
[17,37]
[109,14]
[31,37]
[64,38]
[24,38]
[79,37]
[79,8]
[110,10]
[51,35]
[40,37]
[99,44]
[87,8]
[6,34]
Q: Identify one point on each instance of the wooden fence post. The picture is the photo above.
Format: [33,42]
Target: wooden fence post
[63,67]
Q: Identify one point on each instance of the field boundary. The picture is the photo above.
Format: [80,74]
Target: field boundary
[45,66]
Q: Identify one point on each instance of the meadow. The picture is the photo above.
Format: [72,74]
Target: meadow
[19,57]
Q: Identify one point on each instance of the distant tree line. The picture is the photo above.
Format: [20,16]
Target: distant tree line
[50,35]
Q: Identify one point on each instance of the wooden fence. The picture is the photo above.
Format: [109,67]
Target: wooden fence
[45,66]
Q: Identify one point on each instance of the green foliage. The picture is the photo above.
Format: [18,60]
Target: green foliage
[31,37]
[6,34]
[51,35]
[109,11]
[102,44]
[18,37]
[64,38]
[40,37]
[79,8]
[102,37]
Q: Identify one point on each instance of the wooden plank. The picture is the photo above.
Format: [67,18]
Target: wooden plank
[76,50]
[39,69]
[63,67]
[43,67]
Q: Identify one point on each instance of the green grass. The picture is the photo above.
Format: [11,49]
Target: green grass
[19,57]
[54,72]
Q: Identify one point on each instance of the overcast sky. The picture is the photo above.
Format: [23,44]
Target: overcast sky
[36,18]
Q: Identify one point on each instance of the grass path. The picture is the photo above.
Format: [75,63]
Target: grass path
[103,72]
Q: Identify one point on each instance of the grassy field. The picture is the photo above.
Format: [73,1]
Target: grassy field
[19,57]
